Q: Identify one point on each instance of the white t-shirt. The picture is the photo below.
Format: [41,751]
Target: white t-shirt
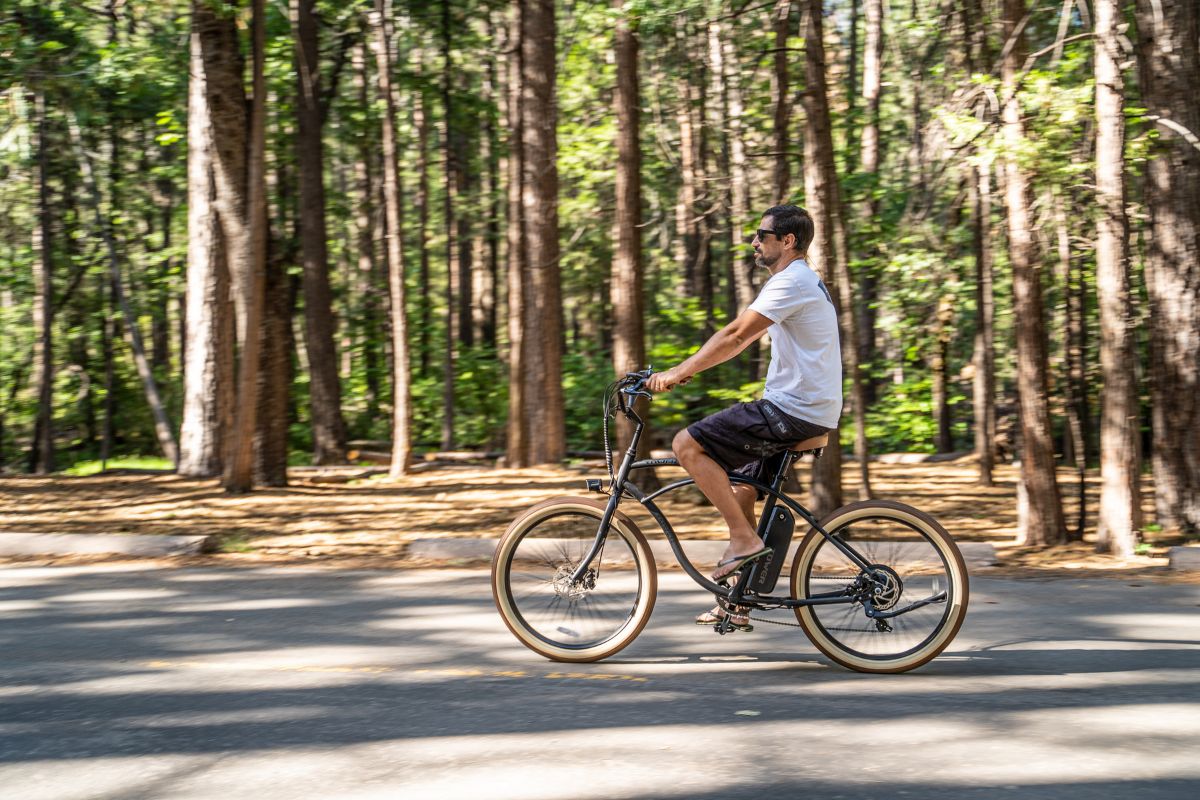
[805,376]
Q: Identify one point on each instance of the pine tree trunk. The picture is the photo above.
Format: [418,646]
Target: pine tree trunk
[366,227]
[979,185]
[421,123]
[492,161]
[1120,495]
[453,244]
[1169,69]
[983,354]
[41,456]
[821,198]
[870,155]
[208,320]
[278,344]
[943,333]
[517,432]
[328,427]
[543,411]
[1074,352]
[401,403]
[275,375]
[781,104]
[1043,521]
[629,346]
[107,335]
[742,256]
[249,272]
[160,332]
[689,220]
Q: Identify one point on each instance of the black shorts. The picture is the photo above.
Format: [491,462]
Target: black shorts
[751,438]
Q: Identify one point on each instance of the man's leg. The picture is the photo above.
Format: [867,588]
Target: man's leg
[714,484]
[746,496]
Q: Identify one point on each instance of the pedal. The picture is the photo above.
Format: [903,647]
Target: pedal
[764,573]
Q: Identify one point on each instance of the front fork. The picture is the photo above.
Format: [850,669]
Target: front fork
[614,498]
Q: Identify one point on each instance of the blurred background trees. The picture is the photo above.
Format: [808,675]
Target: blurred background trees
[462,216]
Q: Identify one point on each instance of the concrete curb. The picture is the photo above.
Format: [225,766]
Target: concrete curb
[1184,558]
[129,544]
[700,552]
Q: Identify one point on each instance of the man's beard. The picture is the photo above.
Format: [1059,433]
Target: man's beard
[762,260]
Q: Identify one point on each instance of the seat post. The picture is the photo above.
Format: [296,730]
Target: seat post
[788,457]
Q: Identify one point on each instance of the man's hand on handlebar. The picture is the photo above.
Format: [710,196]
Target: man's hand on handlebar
[665,381]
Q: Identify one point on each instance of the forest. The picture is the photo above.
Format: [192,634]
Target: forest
[239,235]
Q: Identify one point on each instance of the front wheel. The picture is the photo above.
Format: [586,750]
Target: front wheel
[916,573]
[583,621]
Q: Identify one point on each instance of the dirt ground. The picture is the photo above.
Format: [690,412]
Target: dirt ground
[347,517]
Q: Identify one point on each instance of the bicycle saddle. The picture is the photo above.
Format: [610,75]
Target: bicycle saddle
[815,443]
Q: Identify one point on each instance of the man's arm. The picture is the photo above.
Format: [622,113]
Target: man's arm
[721,346]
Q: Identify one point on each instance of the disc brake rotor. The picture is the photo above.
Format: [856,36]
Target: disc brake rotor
[886,587]
[570,590]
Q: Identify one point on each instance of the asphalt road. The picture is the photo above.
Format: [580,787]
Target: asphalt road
[297,683]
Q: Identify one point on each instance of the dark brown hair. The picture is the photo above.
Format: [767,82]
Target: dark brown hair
[794,220]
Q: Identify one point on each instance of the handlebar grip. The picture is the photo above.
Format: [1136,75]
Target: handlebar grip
[638,386]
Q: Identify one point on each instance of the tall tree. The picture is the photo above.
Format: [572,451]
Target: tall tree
[421,124]
[739,180]
[781,103]
[517,430]
[979,176]
[401,399]
[489,255]
[454,244]
[1120,498]
[1072,352]
[821,199]
[328,427]
[541,416]
[208,358]
[41,460]
[692,206]
[1040,516]
[366,229]
[629,346]
[1169,71]
[869,159]
[249,272]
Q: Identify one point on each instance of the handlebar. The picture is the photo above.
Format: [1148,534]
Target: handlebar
[632,386]
[633,382]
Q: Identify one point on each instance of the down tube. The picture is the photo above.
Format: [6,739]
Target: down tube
[672,538]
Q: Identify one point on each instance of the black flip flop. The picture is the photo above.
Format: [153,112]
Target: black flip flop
[739,562]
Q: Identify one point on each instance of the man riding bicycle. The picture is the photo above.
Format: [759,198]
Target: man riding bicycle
[802,397]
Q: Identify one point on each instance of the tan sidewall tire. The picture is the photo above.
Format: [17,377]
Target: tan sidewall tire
[622,526]
[945,544]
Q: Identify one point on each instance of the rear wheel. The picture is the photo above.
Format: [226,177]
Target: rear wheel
[916,569]
[564,621]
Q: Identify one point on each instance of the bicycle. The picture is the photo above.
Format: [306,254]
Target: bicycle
[877,586]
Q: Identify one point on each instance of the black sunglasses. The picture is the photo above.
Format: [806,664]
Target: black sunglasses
[762,235]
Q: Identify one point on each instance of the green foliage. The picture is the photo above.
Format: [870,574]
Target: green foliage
[902,419]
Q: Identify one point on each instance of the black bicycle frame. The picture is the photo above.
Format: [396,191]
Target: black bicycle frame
[621,486]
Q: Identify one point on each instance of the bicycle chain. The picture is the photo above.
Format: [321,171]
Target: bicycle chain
[798,625]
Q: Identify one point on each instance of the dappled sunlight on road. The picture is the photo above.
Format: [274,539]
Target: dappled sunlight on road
[356,683]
